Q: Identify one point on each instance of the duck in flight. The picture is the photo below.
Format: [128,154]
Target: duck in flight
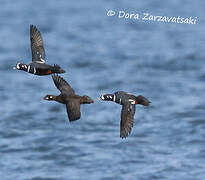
[128,102]
[69,98]
[38,65]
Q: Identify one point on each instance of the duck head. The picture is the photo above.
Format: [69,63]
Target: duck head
[21,66]
[86,100]
[49,98]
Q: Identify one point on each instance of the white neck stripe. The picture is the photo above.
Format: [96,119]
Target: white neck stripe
[28,68]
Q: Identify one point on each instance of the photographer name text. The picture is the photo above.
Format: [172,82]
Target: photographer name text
[151,17]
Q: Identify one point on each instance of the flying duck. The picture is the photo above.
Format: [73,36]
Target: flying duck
[128,102]
[38,65]
[69,98]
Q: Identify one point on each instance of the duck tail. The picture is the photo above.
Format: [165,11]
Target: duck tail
[57,69]
[142,100]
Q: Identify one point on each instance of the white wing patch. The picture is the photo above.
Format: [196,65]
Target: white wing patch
[34,70]
[17,65]
[41,61]
[132,101]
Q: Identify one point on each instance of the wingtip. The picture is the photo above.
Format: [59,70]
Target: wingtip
[32,26]
[74,119]
[33,29]
[55,76]
[123,137]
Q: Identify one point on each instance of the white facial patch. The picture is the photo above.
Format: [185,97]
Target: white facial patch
[102,97]
[17,66]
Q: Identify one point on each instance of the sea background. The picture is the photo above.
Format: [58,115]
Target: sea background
[165,62]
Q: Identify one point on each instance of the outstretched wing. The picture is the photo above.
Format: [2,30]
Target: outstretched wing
[62,85]
[127,119]
[37,48]
[73,109]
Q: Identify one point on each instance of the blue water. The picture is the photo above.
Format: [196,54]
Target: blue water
[101,54]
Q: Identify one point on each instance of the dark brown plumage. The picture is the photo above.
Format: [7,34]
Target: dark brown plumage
[37,47]
[69,98]
[127,120]
[128,102]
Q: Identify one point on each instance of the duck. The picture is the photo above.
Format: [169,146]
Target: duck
[38,65]
[68,97]
[128,102]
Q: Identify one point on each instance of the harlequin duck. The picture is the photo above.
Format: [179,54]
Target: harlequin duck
[38,65]
[69,98]
[128,102]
